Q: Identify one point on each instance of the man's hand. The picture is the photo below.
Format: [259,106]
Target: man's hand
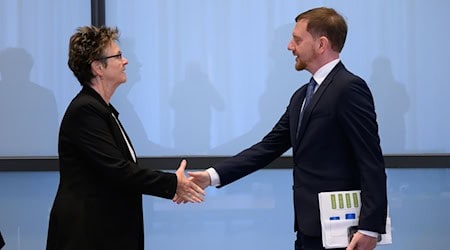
[187,190]
[362,242]
[202,178]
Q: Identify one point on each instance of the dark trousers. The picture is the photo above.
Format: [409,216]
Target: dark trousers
[304,242]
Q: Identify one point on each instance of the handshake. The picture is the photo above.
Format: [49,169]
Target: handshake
[190,189]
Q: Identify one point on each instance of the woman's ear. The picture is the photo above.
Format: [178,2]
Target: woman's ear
[97,68]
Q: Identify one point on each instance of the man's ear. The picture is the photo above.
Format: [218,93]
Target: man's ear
[324,43]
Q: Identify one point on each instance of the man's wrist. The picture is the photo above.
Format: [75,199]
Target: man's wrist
[213,176]
[369,233]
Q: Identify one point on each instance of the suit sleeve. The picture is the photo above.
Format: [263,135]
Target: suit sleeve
[90,129]
[358,119]
[273,145]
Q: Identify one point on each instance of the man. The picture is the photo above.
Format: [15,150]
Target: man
[334,136]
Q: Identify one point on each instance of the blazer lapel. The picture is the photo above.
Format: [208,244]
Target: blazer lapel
[120,133]
[117,127]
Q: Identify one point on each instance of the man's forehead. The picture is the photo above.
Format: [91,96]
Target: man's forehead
[300,26]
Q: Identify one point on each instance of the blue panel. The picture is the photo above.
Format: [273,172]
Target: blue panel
[253,213]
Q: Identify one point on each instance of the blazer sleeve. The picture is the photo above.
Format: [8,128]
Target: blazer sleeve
[2,242]
[89,128]
[358,119]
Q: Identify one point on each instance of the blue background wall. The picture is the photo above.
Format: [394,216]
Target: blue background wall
[222,71]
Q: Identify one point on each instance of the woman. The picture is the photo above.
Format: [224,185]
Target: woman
[98,204]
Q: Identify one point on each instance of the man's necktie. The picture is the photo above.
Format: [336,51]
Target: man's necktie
[309,93]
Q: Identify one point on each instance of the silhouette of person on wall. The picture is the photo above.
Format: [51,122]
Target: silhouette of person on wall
[391,103]
[29,116]
[192,101]
[130,117]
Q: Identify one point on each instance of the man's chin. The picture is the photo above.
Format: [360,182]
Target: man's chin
[300,65]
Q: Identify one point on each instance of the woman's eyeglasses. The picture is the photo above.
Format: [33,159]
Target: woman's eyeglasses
[118,56]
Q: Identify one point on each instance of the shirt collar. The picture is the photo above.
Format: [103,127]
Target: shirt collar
[323,72]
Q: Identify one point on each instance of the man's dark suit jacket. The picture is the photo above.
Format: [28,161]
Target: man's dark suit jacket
[337,149]
[98,204]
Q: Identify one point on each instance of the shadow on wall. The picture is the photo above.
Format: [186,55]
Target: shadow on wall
[193,110]
[128,115]
[28,111]
[282,81]
[391,106]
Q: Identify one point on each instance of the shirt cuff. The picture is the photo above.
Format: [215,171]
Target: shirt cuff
[369,233]
[215,179]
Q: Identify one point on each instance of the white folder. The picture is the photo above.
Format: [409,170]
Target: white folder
[339,215]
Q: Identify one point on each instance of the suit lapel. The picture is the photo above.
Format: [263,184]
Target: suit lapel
[315,100]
